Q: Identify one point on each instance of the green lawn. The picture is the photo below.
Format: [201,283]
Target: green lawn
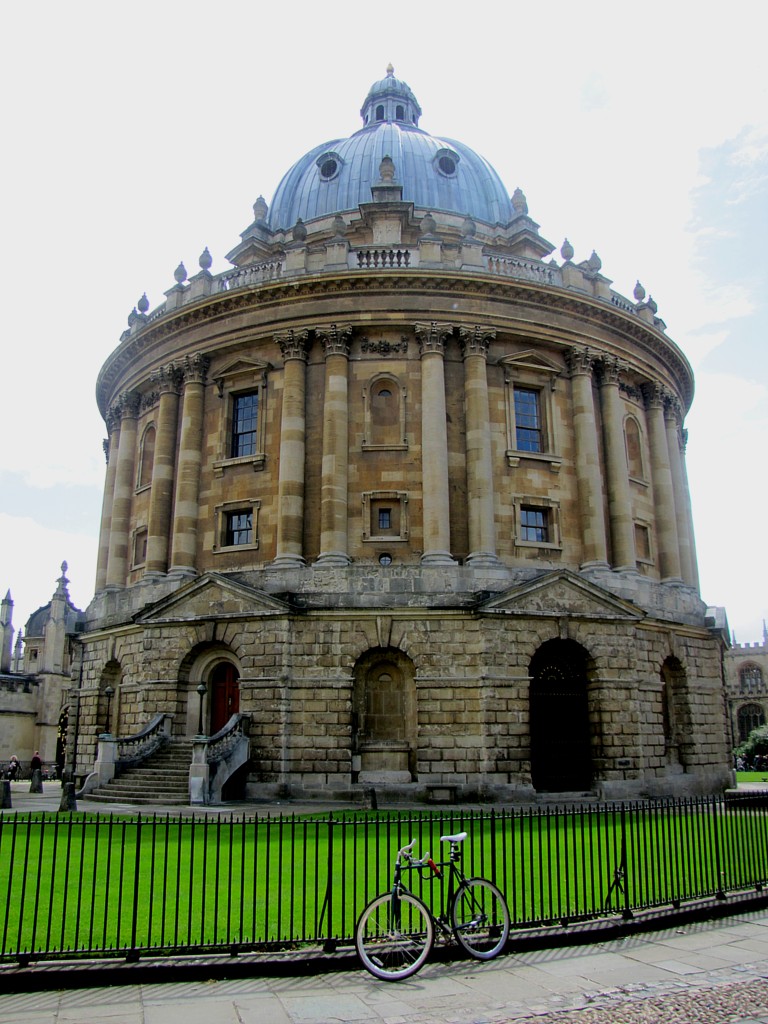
[112,884]
[752,777]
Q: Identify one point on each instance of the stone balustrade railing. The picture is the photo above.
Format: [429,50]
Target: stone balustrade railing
[383,259]
[220,746]
[136,748]
[523,269]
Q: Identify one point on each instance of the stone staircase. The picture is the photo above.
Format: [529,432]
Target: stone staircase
[161,780]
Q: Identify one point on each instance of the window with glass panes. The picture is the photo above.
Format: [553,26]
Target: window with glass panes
[528,420]
[244,422]
[239,529]
[534,525]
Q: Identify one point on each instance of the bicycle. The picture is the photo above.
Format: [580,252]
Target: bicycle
[396,931]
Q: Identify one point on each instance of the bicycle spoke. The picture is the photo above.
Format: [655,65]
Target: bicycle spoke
[394,936]
[480,918]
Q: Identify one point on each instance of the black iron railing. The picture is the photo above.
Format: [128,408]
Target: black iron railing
[104,885]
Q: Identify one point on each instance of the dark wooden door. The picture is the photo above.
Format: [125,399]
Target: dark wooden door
[225,695]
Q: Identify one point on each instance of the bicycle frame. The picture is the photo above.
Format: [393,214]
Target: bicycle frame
[455,878]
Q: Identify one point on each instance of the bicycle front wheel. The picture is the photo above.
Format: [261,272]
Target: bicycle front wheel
[480,918]
[394,936]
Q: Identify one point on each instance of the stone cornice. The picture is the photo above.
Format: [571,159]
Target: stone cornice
[285,293]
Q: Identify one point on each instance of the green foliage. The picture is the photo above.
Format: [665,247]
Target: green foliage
[756,743]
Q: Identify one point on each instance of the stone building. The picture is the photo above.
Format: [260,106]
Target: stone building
[408,497]
[746,678]
[35,678]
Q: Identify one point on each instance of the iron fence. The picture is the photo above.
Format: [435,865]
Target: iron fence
[114,886]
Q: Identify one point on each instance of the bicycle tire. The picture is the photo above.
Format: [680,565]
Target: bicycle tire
[393,953]
[480,918]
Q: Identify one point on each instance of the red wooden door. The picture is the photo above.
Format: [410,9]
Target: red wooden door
[225,695]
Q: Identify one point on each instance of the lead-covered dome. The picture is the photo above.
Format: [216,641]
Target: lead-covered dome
[435,173]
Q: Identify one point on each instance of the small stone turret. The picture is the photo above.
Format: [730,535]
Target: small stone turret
[6,632]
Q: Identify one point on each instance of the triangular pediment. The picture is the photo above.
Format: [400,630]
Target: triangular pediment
[212,596]
[242,368]
[561,593]
[531,360]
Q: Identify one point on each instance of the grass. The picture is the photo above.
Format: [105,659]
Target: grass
[752,777]
[108,884]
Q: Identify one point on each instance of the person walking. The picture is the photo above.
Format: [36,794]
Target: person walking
[14,768]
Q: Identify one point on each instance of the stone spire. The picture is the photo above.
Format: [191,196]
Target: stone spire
[6,632]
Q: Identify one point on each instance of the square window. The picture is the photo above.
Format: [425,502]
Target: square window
[238,528]
[534,524]
[385,519]
[140,546]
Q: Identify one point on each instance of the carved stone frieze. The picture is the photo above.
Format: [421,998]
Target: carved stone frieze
[384,348]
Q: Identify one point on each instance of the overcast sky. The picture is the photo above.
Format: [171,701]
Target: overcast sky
[134,135]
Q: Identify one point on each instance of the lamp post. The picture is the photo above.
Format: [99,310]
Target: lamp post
[109,694]
[202,689]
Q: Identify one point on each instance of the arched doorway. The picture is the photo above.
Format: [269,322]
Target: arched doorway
[676,715]
[561,749]
[384,718]
[224,689]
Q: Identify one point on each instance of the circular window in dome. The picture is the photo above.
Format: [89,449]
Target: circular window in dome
[329,165]
[447,163]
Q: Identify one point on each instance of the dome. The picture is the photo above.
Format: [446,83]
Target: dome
[435,173]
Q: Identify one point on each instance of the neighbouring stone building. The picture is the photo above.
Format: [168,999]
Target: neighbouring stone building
[746,677]
[409,496]
[35,678]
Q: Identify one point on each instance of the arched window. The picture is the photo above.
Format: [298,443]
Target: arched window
[399,113]
[751,679]
[634,448]
[676,714]
[749,717]
[147,458]
[380,112]
[384,400]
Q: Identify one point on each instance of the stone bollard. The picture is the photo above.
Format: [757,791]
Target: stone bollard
[36,785]
[68,801]
[5,802]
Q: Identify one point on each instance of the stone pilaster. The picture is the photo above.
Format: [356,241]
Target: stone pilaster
[127,409]
[482,527]
[617,471]
[186,510]
[588,475]
[663,493]
[335,467]
[290,501]
[166,379]
[673,423]
[434,443]
[110,451]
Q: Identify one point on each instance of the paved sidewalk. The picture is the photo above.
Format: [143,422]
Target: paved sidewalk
[709,973]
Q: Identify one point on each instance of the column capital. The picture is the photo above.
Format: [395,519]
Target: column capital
[580,361]
[167,378]
[475,341]
[293,344]
[610,371]
[105,448]
[334,339]
[126,405]
[432,336]
[655,395]
[193,369]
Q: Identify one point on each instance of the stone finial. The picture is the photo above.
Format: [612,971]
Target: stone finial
[299,231]
[205,260]
[387,169]
[639,292]
[260,210]
[428,224]
[390,70]
[652,305]
[519,202]
[180,274]
[143,304]
[469,228]
[594,262]
[566,251]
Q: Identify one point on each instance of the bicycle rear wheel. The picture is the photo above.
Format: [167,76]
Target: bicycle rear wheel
[394,936]
[480,918]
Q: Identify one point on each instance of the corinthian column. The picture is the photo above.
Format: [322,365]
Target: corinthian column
[333,488]
[110,451]
[617,472]
[588,475]
[482,526]
[672,421]
[663,493]
[161,495]
[434,444]
[127,408]
[290,499]
[187,510]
